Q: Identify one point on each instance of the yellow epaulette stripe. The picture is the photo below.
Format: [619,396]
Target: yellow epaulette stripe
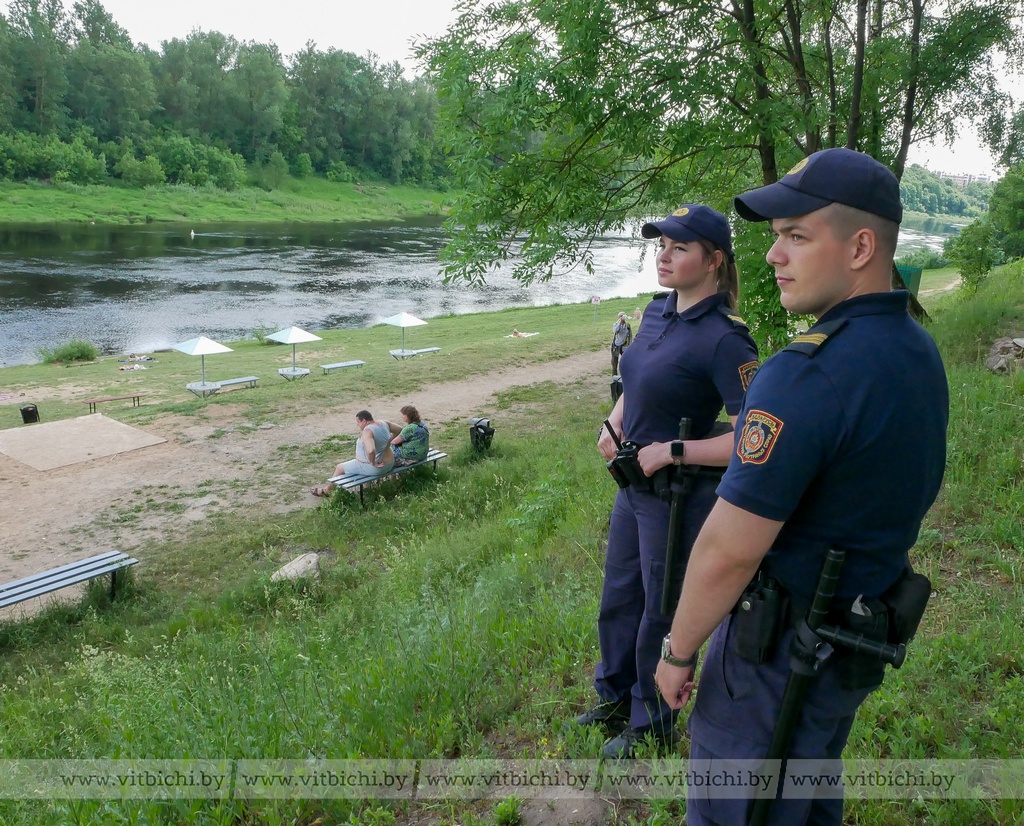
[811,338]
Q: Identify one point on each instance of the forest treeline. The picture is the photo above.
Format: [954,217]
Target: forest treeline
[80,102]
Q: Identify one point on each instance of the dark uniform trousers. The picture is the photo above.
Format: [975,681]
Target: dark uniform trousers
[734,716]
[630,624]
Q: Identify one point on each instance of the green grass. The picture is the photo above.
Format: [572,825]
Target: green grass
[470,345]
[311,199]
[456,615]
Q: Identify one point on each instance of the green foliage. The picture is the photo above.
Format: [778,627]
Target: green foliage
[1007,212]
[567,120]
[303,166]
[924,191]
[972,252]
[45,157]
[74,350]
[204,106]
[507,812]
[340,173]
[137,173]
[275,172]
[924,259]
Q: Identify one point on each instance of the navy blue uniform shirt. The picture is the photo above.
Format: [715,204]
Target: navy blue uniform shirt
[684,364]
[842,436]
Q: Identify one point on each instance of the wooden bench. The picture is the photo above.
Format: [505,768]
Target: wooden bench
[339,365]
[39,584]
[358,480]
[100,399]
[404,354]
[250,380]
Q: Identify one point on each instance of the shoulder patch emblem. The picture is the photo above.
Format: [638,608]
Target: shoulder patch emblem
[760,433]
[747,372]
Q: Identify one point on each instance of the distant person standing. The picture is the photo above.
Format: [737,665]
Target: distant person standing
[622,335]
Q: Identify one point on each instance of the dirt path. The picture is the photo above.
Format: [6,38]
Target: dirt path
[126,501]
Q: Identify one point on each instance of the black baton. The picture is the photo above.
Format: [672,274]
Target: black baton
[682,482]
[807,653]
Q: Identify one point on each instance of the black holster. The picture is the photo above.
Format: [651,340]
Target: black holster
[759,619]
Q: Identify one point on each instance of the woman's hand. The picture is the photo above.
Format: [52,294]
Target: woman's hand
[605,443]
[654,457]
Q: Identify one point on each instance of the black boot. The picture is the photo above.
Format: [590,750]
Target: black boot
[612,713]
[623,746]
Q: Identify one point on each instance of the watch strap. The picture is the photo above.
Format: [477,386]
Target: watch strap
[679,662]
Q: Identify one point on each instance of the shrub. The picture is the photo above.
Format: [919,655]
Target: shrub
[226,168]
[75,350]
[140,174]
[275,173]
[303,166]
[925,259]
[340,173]
[973,253]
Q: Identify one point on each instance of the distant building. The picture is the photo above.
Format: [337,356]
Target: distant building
[963,181]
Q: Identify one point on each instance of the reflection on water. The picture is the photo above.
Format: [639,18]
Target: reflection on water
[145,288]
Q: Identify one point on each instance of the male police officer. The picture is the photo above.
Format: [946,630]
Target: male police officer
[841,444]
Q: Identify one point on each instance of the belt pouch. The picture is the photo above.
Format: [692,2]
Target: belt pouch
[906,600]
[758,622]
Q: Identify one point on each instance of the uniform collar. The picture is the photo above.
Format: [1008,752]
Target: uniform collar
[700,308]
[890,303]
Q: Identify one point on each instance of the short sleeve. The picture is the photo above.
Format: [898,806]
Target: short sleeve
[791,427]
[733,366]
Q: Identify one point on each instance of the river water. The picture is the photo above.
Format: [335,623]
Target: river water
[143,288]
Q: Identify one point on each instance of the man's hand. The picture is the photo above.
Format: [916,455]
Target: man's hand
[675,683]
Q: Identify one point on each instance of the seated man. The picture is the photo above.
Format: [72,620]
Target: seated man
[411,442]
[373,442]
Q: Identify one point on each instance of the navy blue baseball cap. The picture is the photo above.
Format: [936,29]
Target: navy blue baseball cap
[831,176]
[692,222]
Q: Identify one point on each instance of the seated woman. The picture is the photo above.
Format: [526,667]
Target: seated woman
[411,442]
[373,441]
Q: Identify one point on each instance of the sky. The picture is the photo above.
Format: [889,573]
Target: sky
[388,31]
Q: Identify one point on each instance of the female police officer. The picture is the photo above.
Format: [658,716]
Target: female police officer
[691,356]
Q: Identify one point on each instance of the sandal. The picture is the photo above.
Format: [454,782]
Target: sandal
[321,490]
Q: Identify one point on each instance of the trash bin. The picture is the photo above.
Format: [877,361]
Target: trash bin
[911,277]
[29,414]
[480,434]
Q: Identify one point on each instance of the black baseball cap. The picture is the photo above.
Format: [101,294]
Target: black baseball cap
[831,176]
[692,222]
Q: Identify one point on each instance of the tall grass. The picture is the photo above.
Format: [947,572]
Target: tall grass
[456,616]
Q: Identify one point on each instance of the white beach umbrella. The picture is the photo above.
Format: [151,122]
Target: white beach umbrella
[293,336]
[202,347]
[404,320]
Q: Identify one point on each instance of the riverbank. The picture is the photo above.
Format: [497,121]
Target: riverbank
[455,615]
[306,200]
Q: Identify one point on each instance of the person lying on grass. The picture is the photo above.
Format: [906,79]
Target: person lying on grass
[374,440]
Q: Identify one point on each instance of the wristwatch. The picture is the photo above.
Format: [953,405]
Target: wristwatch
[666,655]
[678,452]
